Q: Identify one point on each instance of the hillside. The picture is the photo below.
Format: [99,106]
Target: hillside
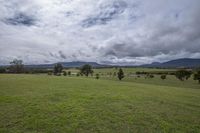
[178,63]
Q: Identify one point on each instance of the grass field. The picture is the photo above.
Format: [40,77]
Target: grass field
[171,80]
[41,103]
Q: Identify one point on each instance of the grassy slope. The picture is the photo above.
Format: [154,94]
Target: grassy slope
[32,103]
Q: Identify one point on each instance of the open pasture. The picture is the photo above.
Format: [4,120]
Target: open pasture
[41,103]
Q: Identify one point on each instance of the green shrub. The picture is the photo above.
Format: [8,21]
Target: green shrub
[151,76]
[97,76]
[120,74]
[2,70]
[197,76]
[183,74]
[163,77]
[78,74]
[69,73]
[64,73]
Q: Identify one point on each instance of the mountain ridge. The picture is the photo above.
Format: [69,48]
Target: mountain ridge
[67,64]
[177,63]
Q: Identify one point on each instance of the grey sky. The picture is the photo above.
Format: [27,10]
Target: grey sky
[114,31]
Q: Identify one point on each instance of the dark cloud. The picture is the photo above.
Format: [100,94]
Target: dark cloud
[106,13]
[62,55]
[164,37]
[69,14]
[21,19]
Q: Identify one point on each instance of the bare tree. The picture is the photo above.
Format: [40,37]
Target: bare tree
[16,66]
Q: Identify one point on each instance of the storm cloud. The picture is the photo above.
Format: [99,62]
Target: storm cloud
[106,31]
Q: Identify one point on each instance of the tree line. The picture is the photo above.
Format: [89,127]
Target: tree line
[85,70]
[17,66]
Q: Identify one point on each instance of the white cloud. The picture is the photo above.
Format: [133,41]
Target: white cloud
[128,31]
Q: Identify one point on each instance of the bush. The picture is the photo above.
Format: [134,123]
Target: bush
[64,73]
[183,74]
[78,74]
[157,73]
[163,77]
[2,70]
[97,76]
[151,76]
[69,73]
[36,71]
[197,76]
[141,73]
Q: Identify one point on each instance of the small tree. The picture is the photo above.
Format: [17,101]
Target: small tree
[78,74]
[86,70]
[69,73]
[120,74]
[97,76]
[2,70]
[163,77]
[114,74]
[64,73]
[58,69]
[110,74]
[183,74]
[151,76]
[16,66]
[197,76]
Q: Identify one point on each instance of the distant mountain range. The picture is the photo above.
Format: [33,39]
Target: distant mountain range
[67,65]
[179,63]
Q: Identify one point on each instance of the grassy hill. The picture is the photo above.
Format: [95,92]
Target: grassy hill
[40,103]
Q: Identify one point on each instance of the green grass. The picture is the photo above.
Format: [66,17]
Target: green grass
[170,81]
[40,103]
